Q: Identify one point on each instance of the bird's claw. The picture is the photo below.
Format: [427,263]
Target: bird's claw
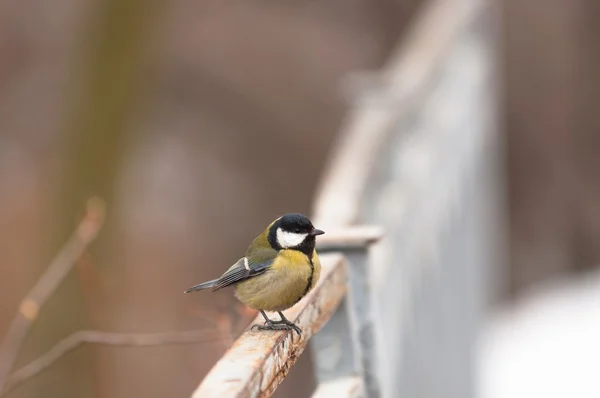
[278,325]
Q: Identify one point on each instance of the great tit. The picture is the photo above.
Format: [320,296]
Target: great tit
[280,267]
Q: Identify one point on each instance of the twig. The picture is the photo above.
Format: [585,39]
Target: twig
[86,232]
[111,338]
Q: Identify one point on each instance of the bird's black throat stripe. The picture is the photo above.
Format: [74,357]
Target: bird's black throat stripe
[310,278]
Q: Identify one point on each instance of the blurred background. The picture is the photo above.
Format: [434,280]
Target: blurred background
[198,122]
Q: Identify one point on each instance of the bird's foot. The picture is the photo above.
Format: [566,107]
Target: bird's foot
[283,321]
[278,325]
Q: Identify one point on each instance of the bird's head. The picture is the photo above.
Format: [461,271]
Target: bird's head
[293,231]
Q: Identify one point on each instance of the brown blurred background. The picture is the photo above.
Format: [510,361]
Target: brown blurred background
[199,122]
[552,87]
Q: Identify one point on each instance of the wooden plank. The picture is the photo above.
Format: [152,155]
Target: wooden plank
[260,360]
[346,387]
[348,238]
[400,85]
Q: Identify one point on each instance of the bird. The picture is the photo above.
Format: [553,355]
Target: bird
[279,268]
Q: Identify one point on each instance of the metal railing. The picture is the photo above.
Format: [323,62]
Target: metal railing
[418,158]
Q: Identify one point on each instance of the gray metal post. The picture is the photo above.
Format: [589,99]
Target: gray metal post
[346,344]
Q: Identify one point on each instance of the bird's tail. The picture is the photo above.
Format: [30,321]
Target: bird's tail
[202,286]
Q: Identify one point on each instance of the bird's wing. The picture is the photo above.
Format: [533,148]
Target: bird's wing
[245,268]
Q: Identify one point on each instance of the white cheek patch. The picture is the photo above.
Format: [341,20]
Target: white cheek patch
[289,239]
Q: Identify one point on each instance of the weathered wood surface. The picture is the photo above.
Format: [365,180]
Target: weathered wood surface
[347,387]
[260,360]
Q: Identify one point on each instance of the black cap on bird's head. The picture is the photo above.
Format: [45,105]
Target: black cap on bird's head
[298,223]
[293,231]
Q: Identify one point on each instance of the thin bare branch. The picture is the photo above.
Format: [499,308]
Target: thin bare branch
[86,232]
[110,338]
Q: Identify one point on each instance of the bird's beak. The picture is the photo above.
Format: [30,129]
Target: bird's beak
[316,232]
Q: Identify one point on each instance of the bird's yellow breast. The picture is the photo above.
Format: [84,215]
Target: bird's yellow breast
[289,278]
